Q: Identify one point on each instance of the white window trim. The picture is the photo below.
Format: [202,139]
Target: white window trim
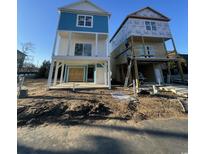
[150,25]
[84,21]
[83,47]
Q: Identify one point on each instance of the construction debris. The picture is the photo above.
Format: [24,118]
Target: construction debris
[120,95]
[68,107]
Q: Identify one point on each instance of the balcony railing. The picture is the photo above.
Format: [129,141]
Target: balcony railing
[93,54]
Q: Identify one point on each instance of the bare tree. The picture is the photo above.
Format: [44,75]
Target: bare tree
[29,49]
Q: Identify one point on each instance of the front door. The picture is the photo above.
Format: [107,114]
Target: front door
[91,70]
[76,74]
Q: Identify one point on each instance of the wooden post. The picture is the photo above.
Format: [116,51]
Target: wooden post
[143,43]
[169,73]
[134,88]
[62,70]
[128,74]
[180,69]
[56,73]
[174,46]
[168,63]
[178,62]
[135,66]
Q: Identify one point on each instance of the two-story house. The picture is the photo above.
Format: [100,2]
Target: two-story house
[80,51]
[143,36]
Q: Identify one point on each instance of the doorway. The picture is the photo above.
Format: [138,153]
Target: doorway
[91,69]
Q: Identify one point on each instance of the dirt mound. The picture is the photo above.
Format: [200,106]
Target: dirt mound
[50,112]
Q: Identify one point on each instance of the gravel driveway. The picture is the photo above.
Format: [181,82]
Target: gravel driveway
[110,137]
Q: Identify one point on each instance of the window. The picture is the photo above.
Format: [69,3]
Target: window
[150,25]
[83,49]
[88,21]
[153,26]
[84,21]
[81,20]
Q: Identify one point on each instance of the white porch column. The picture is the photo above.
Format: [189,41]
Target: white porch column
[65,72]
[105,73]
[95,74]
[56,45]
[69,43]
[107,46]
[62,70]
[109,75]
[56,73]
[96,44]
[50,73]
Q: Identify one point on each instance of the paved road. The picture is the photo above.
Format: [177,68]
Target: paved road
[152,136]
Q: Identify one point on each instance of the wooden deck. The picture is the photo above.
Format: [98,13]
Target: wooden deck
[79,85]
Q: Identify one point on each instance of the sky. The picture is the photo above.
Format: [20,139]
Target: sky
[37,21]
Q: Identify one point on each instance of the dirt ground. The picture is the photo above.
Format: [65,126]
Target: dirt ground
[66,107]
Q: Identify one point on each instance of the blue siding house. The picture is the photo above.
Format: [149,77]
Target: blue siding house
[100,23]
[80,52]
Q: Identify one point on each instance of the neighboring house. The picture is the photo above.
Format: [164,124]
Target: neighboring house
[143,33]
[80,51]
[20,59]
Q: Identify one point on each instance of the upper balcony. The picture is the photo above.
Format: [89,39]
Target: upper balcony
[81,45]
[145,49]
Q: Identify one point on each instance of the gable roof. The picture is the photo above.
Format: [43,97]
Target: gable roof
[149,13]
[140,14]
[84,6]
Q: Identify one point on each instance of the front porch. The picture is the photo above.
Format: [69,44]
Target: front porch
[88,73]
[78,85]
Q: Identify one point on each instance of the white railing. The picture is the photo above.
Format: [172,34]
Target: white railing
[99,54]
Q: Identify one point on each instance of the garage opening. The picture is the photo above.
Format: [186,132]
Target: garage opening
[147,71]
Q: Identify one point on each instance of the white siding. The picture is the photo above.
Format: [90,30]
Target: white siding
[100,77]
[81,38]
[63,46]
[102,47]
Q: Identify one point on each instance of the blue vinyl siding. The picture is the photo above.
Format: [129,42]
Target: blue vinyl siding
[68,22]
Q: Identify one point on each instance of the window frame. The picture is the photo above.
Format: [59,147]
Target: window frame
[84,25]
[150,24]
[83,52]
